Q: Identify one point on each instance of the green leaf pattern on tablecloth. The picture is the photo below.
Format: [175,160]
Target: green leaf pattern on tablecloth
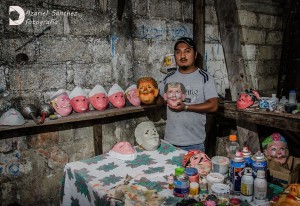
[94,160]
[139,149]
[74,202]
[111,179]
[172,200]
[152,170]
[140,160]
[100,201]
[62,187]
[81,178]
[176,160]
[166,149]
[70,174]
[108,167]
[158,186]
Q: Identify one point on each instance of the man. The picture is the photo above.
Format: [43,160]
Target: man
[185,126]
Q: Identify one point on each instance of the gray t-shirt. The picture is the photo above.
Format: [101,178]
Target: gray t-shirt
[188,128]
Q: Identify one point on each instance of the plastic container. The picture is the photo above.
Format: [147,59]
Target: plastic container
[192,173]
[220,164]
[292,97]
[247,185]
[220,190]
[232,146]
[283,100]
[213,178]
[260,187]
[275,98]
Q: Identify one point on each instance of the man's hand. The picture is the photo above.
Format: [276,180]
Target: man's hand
[179,108]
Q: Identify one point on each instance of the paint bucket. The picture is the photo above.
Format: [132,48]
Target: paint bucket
[220,165]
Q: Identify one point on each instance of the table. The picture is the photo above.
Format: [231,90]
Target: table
[88,181]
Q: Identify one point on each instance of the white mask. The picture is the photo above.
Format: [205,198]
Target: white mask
[146,136]
[12,117]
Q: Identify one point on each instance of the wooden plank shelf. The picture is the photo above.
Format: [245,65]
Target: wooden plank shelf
[285,121]
[79,117]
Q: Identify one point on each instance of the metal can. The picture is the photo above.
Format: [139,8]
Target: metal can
[247,156]
[237,167]
[181,185]
[259,163]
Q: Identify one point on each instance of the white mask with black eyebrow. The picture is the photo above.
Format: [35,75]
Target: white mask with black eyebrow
[147,136]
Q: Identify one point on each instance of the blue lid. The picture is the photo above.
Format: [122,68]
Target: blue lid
[190,171]
[292,91]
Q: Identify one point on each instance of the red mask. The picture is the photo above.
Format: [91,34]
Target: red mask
[247,99]
[80,104]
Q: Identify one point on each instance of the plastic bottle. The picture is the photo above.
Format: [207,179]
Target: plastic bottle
[274,98]
[283,100]
[260,187]
[292,97]
[232,146]
[247,185]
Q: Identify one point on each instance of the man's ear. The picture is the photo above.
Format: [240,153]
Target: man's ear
[155,92]
[137,92]
[183,97]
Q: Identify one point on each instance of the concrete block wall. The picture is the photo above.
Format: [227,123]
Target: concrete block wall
[261,33]
[92,47]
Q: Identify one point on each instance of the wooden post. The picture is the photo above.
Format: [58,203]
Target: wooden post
[97,130]
[229,31]
[199,13]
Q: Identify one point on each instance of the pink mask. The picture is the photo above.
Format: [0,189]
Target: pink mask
[199,160]
[117,99]
[61,105]
[247,99]
[133,98]
[99,101]
[80,104]
[174,94]
[123,151]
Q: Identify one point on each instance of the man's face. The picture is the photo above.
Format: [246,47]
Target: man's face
[99,101]
[62,105]
[184,56]
[277,150]
[117,99]
[80,104]
[133,97]
[147,92]
[174,95]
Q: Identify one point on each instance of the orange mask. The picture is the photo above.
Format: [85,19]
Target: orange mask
[147,90]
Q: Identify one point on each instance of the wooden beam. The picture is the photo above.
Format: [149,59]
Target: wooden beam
[229,32]
[230,39]
[199,13]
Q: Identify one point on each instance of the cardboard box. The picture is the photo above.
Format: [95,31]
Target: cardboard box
[284,174]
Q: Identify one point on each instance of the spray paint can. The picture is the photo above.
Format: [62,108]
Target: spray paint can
[247,156]
[259,163]
[237,167]
[247,185]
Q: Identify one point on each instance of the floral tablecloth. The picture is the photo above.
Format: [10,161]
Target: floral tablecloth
[88,182]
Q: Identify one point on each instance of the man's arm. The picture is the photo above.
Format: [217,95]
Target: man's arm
[160,101]
[211,105]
